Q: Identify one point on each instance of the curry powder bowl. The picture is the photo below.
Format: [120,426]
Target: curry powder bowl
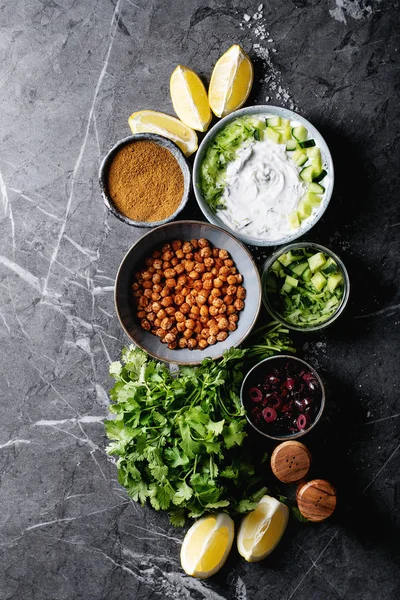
[134,260]
[161,141]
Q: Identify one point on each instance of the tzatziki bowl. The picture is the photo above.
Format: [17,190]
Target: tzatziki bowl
[265,174]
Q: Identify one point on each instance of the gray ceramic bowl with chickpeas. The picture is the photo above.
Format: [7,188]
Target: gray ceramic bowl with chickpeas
[186,291]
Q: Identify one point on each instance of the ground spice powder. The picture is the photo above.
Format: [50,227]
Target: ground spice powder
[145,181]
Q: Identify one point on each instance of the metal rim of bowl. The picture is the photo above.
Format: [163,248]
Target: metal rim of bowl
[275,315]
[291,436]
[188,222]
[161,141]
[258,109]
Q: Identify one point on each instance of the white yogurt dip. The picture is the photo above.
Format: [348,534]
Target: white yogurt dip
[262,188]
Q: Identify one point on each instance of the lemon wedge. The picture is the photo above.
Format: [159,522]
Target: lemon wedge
[151,121]
[207,544]
[189,98]
[231,81]
[261,530]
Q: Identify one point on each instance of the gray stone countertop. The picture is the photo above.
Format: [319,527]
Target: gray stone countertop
[71,74]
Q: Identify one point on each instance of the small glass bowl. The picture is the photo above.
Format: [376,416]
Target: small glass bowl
[278,359]
[296,246]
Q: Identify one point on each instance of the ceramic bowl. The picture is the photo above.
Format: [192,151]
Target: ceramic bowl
[286,114]
[266,366]
[185,230]
[161,141]
[318,248]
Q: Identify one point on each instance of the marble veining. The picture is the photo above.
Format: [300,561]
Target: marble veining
[71,75]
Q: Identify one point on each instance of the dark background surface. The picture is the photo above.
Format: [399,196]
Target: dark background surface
[71,73]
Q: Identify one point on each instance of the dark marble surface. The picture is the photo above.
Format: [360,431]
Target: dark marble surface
[71,74]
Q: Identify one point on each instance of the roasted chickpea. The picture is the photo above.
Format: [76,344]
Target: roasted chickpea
[180,254]
[147,285]
[189,265]
[231,279]
[192,343]
[194,275]
[232,326]
[195,244]
[224,271]
[241,293]
[198,328]
[141,314]
[166,323]
[238,304]
[157,287]
[155,296]
[217,302]
[151,317]
[211,340]
[203,320]
[179,316]
[198,285]
[231,291]
[174,262]
[208,263]
[157,323]
[201,300]
[239,278]
[233,270]
[205,332]
[167,301]
[169,273]
[160,332]
[195,310]
[228,300]
[199,267]
[233,318]
[197,257]
[208,284]
[190,324]
[147,293]
[228,262]
[166,247]
[185,291]
[221,337]
[176,245]
[172,345]
[161,314]
[143,301]
[214,329]
[135,286]
[165,292]
[144,323]
[170,337]
[215,252]
[215,293]
[222,309]
[179,299]
[171,283]
[188,333]
[182,343]
[156,254]
[179,268]
[205,252]
[157,264]
[147,308]
[181,327]
[214,271]
[166,265]
[202,344]
[203,310]
[187,247]
[151,270]
[203,243]
[170,310]
[189,256]
[230,310]
[218,263]
[185,308]
[213,310]
[222,323]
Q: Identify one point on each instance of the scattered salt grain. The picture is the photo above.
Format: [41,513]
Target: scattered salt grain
[246,17]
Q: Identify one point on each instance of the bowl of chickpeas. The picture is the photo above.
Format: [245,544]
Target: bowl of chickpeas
[186,291]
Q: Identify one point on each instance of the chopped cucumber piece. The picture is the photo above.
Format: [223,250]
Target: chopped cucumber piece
[293,219]
[307,144]
[317,166]
[313,152]
[273,135]
[312,199]
[300,133]
[259,124]
[307,274]
[286,132]
[286,259]
[273,121]
[291,145]
[276,265]
[307,174]
[304,210]
[256,134]
[319,177]
[286,287]
[300,268]
[333,281]
[327,267]
[285,122]
[318,281]
[299,157]
[316,188]
[316,261]
[291,281]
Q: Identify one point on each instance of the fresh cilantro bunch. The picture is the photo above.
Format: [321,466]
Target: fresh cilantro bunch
[180,438]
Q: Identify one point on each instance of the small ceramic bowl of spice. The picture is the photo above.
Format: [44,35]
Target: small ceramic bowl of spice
[145,180]
[283,397]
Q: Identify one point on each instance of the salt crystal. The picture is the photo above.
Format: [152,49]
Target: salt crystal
[270,40]
[260,7]
[267,98]
[246,17]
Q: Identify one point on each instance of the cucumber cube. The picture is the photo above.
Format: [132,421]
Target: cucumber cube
[316,188]
[299,157]
[312,199]
[273,136]
[306,276]
[317,166]
[307,144]
[334,280]
[286,288]
[316,261]
[285,122]
[275,266]
[327,266]
[307,174]
[300,133]
[304,210]
[286,132]
[314,152]
[274,121]
[286,258]
[293,219]
[259,124]
[291,281]
[320,177]
[300,268]
[318,281]
[291,145]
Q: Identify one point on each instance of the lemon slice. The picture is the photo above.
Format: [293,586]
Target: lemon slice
[207,544]
[189,98]
[231,81]
[151,121]
[261,530]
